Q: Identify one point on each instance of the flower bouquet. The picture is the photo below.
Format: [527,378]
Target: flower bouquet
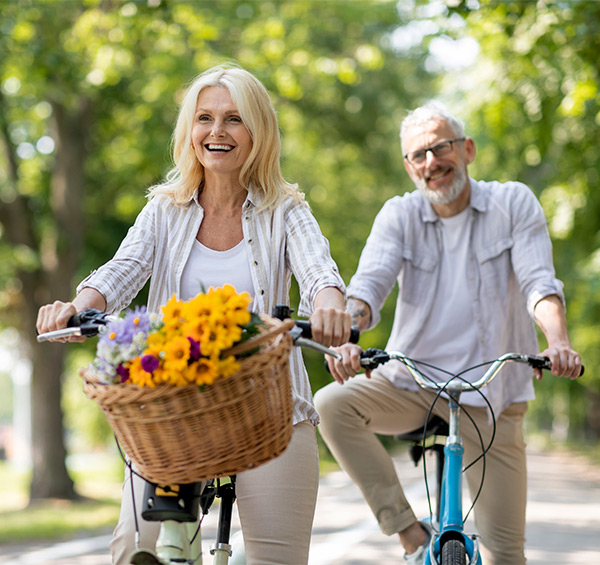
[187,345]
[201,390]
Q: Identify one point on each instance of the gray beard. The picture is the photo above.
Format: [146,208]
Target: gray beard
[446,197]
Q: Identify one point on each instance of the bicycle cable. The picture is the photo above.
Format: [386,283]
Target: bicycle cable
[485,450]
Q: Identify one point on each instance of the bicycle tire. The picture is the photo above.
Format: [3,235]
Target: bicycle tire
[454,552]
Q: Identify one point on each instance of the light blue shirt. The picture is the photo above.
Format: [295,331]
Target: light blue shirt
[509,270]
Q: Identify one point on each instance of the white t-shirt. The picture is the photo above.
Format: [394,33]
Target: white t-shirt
[206,267]
[451,323]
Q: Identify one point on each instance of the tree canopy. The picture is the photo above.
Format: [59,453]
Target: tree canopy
[88,98]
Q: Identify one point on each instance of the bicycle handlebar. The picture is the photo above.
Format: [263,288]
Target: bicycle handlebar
[88,322]
[372,358]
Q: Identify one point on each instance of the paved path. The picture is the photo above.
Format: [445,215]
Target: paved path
[563,521]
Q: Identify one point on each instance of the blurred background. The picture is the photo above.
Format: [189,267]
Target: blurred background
[88,97]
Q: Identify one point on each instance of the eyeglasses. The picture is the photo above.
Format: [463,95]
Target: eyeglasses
[438,150]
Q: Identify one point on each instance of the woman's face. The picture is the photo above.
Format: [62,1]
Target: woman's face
[220,139]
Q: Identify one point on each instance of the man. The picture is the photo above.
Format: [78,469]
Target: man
[473,261]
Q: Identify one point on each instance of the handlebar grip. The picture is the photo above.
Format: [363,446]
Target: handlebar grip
[369,359]
[538,362]
[87,321]
[307,331]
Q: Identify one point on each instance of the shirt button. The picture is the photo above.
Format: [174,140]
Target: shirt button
[262,292]
[256,263]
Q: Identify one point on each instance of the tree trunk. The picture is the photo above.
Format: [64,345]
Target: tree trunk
[50,478]
[59,249]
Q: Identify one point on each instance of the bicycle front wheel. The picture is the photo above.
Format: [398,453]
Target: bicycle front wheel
[454,552]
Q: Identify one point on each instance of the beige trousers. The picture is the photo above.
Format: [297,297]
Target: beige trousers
[276,503]
[351,415]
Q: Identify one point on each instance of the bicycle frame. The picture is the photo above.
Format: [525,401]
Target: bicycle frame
[451,509]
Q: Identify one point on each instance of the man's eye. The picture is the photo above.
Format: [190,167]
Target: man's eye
[418,155]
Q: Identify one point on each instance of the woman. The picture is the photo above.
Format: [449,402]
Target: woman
[225,214]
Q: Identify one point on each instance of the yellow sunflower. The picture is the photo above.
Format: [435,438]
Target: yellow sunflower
[137,374]
[177,353]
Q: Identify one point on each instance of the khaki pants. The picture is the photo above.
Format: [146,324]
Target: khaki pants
[351,415]
[276,503]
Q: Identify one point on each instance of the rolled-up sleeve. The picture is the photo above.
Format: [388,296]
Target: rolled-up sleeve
[532,249]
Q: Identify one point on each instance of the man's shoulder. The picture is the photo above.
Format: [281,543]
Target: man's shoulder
[497,188]
[507,194]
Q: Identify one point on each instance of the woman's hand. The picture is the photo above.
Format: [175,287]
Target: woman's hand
[330,323]
[330,326]
[56,316]
[349,366]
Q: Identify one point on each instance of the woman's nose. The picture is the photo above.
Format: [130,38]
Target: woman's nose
[217,129]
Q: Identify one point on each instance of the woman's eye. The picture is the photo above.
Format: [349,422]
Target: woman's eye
[236,119]
[203,118]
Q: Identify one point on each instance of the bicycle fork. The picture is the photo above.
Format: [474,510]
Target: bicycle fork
[451,511]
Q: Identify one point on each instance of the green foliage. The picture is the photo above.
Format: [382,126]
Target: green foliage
[338,86]
[341,85]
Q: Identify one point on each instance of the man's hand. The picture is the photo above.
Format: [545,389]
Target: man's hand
[550,316]
[349,366]
[565,362]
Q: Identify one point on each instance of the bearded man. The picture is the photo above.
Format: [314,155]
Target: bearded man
[473,262]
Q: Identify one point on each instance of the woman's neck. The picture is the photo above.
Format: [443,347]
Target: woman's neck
[220,194]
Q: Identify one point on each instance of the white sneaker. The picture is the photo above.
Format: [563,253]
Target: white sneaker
[418,557]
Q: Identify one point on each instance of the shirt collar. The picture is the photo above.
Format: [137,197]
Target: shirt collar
[253,199]
[477,201]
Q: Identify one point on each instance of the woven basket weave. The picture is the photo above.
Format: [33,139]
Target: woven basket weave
[185,434]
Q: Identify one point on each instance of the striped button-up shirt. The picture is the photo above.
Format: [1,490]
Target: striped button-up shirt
[280,242]
[509,265]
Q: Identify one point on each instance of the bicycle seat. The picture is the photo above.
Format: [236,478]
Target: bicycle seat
[435,427]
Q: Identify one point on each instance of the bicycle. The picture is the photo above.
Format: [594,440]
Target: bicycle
[180,508]
[449,545]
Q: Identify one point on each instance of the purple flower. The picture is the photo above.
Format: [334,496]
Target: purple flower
[194,349]
[138,319]
[149,363]
[123,372]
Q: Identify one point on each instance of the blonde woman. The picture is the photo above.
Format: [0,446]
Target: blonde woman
[225,214]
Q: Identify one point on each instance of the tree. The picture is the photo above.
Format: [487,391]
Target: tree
[87,102]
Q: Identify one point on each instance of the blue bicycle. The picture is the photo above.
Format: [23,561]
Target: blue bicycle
[449,545]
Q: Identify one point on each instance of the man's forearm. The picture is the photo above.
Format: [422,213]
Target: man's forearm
[550,316]
[360,312]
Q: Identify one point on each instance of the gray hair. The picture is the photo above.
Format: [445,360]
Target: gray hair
[431,112]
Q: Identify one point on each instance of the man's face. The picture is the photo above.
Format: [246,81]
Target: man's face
[442,178]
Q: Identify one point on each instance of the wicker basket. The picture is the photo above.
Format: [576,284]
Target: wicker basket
[184,434]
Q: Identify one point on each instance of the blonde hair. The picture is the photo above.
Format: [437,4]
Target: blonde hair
[261,171]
